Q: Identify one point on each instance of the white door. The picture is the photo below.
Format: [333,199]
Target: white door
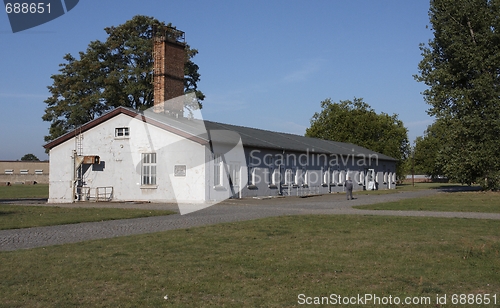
[234,179]
[370,179]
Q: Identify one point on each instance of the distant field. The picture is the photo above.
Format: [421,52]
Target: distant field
[20,191]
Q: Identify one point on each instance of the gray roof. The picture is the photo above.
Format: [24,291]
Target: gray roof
[251,137]
[259,138]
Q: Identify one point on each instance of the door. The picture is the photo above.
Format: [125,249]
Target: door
[370,179]
[234,179]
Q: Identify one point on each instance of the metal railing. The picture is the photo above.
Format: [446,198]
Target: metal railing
[293,190]
[97,194]
[307,191]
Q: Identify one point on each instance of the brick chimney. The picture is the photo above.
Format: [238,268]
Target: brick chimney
[169,56]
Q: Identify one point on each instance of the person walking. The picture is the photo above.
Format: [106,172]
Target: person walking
[348,188]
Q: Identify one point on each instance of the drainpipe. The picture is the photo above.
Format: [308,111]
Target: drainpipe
[329,180]
[74,177]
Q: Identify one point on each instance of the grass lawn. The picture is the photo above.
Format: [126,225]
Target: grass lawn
[263,263]
[486,202]
[19,191]
[15,217]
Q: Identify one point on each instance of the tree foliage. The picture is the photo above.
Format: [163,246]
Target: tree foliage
[356,122]
[117,72]
[461,66]
[29,157]
[426,153]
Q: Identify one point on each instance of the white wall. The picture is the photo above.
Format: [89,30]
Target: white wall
[61,173]
[121,163]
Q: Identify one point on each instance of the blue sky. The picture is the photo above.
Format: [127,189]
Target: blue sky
[264,64]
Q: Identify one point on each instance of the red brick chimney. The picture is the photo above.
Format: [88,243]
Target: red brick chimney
[169,56]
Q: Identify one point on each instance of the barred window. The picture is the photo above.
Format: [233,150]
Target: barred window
[148,169]
[326,176]
[289,177]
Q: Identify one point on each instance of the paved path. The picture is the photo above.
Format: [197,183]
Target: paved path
[228,211]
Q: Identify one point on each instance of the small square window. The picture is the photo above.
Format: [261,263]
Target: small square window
[180,170]
[122,132]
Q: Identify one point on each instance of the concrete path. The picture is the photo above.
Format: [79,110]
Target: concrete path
[228,211]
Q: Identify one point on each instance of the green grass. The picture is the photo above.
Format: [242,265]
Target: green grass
[15,217]
[485,202]
[261,263]
[20,191]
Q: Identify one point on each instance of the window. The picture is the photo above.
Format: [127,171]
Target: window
[251,176]
[270,180]
[148,169]
[342,177]
[218,165]
[361,178]
[23,171]
[9,171]
[335,177]
[326,177]
[122,132]
[289,177]
[39,171]
[276,178]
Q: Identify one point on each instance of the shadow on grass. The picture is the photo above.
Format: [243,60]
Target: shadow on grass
[458,188]
[450,188]
[2,213]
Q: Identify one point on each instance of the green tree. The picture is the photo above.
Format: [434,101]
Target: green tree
[117,72]
[29,157]
[356,122]
[461,66]
[427,151]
